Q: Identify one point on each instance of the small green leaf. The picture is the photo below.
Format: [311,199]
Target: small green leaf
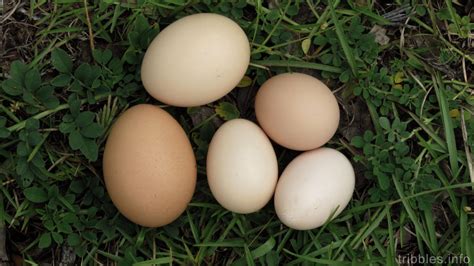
[77,186]
[12,87]
[292,10]
[326,58]
[93,130]
[131,57]
[84,119]
[421,11]
[134,39]
[102,57]
[34,138]
[36,194]
[245,82]
[32,124]
[141,24]
[227,111]
[46,96]
[73,240]
[22,149]
[49,224]
[64,227]
[61,80]
[29,97]
[57,237]
[83,72]
[97,54]
[320,40]
[70,217]
[357,142]
[384,181]
[90,150]
[45,240]
[305,45]
[74,105]
[368,136]
[32,80]
[344,77]
[115,65]
[273,15]
[90,235]
[61,61]
[66,127]
[76,140]
[18,70]
[384,122]
[4,132]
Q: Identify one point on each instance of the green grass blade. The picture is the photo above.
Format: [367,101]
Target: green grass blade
[264,248]
[297,64]
[447,124]
[248,256]
[367,12]
[428,130]
[413,215]
[454,15]
[344,42]
[159,261]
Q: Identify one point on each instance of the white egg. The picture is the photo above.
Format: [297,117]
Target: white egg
[242,168]
[195,60]
[314,186]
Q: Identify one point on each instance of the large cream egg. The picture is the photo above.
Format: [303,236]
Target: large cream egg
[297,111]
[315,185]
[195,60]
[149,166]
[242,168]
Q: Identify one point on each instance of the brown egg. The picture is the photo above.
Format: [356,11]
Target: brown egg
[149,166]
[297,111]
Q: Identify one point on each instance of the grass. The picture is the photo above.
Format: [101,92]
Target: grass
[407,122]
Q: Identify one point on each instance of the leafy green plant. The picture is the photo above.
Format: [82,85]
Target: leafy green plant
[457,24]
[30,164]
[139,38]
[25,82]
[227,111]
[81,129]
[361,43]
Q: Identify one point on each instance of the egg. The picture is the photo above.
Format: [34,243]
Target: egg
[315,185]
[242,168]
[195,60]
[297,111]
[149,166]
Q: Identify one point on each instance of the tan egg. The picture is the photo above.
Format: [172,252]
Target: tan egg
[242,168]
[195,60]
[315,185]
[297,111]
[149,166]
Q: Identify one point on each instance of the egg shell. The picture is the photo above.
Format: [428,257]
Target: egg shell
[149,166]
[297,111]
[242,168]
[312,187]
[195,60]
